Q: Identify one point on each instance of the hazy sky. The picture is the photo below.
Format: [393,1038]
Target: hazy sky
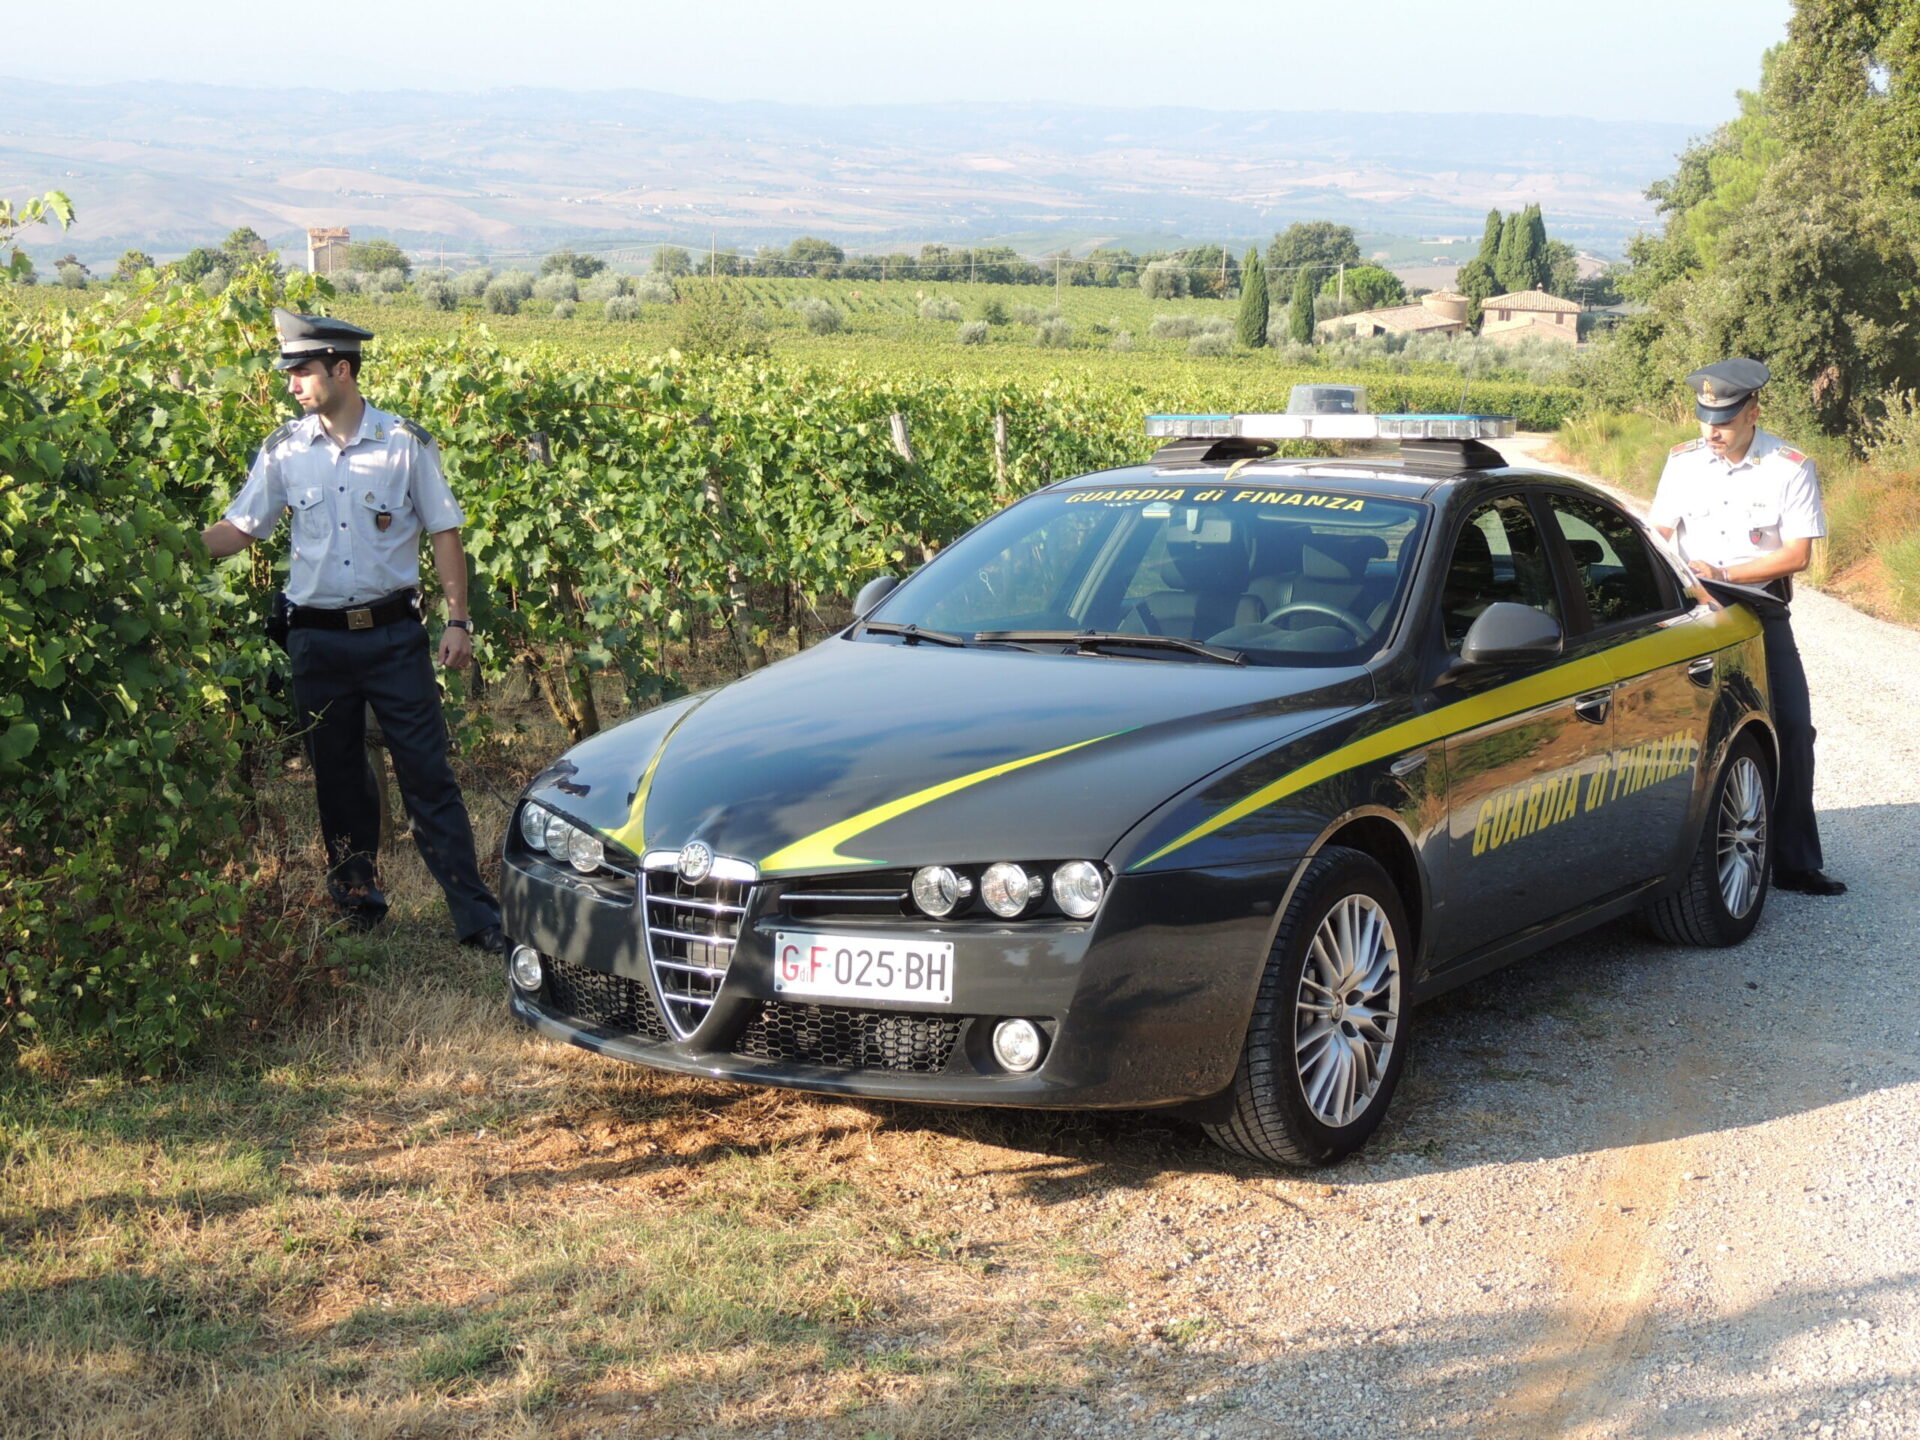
[1624,60]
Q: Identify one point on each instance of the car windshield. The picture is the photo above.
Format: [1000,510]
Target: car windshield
[1282,576]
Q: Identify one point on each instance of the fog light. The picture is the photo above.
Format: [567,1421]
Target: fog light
[528,973]
[1077,888]
[938,890]
[533,826]
[557,834]
[585,852]
[1018,1045]
[1007,888]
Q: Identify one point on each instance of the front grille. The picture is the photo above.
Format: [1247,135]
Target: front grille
[915,1044]
[608,1002]
[691,928]
[880,894]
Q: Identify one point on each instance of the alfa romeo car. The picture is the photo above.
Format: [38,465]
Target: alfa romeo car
[1178,785]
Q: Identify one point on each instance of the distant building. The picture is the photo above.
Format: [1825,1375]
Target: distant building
[327,250]
[1525,314]
[1441,311]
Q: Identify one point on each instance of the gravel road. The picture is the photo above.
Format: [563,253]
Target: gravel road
[1627,1189]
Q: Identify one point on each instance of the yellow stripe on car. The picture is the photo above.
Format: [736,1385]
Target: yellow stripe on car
[822,847]
[633,834]
[1698,634]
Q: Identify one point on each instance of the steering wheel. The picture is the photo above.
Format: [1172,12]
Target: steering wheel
[1358,628]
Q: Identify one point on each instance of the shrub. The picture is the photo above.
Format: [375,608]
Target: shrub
[621,308]
[557,285]
[605,286]
[1174,327]
[1211,344]
[1165,280]
[473,283]
[820,316]
[935,307]
[656,290]
[346,282]
[973,332]
[437,295]
[1054,334]
[390,281]
[501,298]
[1028,315]
[563,309]
[993,312]
[520,282]
[74,277]
[714,322]
[1122,340]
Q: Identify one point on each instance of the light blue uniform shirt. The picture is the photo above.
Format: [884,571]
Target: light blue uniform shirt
[341,555]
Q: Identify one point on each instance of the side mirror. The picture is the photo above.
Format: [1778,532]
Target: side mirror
[1508,634]
[873,592]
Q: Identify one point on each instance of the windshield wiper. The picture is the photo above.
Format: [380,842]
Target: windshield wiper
[1098,639]
[912,633]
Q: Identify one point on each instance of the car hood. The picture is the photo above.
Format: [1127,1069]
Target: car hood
[861,753]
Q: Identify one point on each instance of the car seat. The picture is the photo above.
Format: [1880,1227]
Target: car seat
[1205,589]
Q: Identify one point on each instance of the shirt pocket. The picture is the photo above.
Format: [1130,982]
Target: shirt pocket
[1763,527]
[310,516]
[388,499]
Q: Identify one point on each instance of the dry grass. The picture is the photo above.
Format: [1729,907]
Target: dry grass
[392,1213]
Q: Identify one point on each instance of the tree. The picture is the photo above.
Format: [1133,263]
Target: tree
[810,255]
[672,262]
[1319,244]
[370,257]
[1164,279]
[1371,288]
[566,262]
[131,263]
[1251,329]
[1563,269]
[196,264]
[241,248]
[72,273]
[1210,271]
[1300,313]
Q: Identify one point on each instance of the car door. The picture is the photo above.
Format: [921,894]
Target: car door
[1660,711]
[1516,779]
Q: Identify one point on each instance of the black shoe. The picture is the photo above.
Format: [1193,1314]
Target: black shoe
[1808,882]
[492,939]
[361,907]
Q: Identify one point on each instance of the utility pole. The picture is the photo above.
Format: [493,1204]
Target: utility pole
[713,254]
[1343,282]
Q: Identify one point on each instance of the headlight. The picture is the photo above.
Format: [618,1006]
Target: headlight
[1078,887]
[1007,888]
[525,968]
[533,826]
[585,852]
[938,891]
[558,831]
[1018,1045]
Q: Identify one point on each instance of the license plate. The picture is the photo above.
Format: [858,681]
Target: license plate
[862,967]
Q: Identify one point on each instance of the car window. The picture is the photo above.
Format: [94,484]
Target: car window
[1285,575]
[1499,556]
[1616,569]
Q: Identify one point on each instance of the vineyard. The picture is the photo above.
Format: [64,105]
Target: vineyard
[629,512]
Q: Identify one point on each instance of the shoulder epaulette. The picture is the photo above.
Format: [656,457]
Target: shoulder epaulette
[1788,452]
[417,432]
[1684,446]
[285,432]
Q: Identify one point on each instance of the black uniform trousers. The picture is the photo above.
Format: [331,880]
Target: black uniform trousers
[336,675]
[1796,830]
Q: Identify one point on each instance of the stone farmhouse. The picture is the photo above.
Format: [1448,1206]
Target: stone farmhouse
[1530,314]
[327,250]
[1443,311]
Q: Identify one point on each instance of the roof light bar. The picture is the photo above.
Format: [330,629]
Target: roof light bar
[1330,427]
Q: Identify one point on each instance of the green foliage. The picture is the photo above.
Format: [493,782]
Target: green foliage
[1165,280]
[196,264]
[1313,247]
[1251,328]
[1300,312]
[993,312]
[373,256]
[672,262]
[52,206]
[714,322]
[973,332]
[132,264]
[578,267]
[501,297]
[129,673]
[821,317]
[1371,288]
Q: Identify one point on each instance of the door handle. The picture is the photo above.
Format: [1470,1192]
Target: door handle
[1407,764]
[1593,708]
[1700,671]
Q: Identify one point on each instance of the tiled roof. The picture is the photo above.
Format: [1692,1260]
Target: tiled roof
[1400,317]
[1529,300]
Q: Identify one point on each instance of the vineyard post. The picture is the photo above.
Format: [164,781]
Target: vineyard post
[739,622]
[1000,455]
[903,442]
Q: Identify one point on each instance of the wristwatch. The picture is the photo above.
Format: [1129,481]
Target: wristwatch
[466,625]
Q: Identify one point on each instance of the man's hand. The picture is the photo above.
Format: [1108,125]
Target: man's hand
[456,648]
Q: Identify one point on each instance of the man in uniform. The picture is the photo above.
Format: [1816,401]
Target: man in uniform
[1747,509]
[361,485]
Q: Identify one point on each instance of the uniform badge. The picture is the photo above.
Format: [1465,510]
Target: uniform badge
[380,433]
[1756,537]
[383,521]
[1706,392]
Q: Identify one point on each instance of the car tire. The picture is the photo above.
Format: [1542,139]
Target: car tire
[1316,1072]
[1726,886]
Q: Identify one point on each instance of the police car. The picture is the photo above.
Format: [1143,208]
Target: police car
[1179,785]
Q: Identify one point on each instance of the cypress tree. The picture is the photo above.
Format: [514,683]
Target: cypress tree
[1512,268]
[1490,241]
[1300,313]
[1252,327]
[1539,264]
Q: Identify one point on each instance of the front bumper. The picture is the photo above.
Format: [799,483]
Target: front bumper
[1144,1005]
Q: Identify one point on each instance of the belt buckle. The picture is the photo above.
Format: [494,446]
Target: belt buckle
[361,619]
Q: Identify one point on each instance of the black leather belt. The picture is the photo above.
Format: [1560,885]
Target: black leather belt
[398,606]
